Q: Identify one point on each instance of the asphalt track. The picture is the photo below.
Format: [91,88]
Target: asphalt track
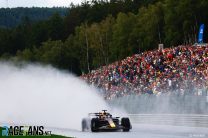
[142,131]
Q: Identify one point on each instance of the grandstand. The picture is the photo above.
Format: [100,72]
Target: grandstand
[181,70]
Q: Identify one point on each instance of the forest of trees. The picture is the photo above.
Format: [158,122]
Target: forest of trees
[12,17]
[98,33]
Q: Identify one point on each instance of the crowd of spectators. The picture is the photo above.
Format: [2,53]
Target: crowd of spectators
[178,70]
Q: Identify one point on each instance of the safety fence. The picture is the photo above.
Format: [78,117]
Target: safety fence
[163,104]
[191,120]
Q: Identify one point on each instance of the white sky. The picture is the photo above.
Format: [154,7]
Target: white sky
[37,3]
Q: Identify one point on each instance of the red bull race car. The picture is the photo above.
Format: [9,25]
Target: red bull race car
[104,121]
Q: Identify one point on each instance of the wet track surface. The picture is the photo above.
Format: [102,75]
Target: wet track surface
[142,131]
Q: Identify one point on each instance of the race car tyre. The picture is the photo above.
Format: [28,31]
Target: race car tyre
[125,122]
[94,125]
[84,125]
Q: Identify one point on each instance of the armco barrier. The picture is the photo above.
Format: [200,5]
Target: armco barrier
[192,120]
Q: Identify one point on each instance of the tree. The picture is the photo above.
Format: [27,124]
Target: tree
[121,35]
[81,42]
[55,27]
[148,31]
[100,37]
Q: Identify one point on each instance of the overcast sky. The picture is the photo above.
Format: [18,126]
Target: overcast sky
[37,3]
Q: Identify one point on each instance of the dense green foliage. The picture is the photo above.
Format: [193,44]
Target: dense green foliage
[11,17]
[98,33]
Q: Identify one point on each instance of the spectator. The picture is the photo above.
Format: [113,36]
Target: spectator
[181,70]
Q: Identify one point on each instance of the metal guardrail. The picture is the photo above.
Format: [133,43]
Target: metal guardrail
[192,120]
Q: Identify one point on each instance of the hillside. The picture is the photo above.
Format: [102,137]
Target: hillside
[102,32]
[11,17]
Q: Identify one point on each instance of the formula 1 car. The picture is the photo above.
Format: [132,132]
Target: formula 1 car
[103,121]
